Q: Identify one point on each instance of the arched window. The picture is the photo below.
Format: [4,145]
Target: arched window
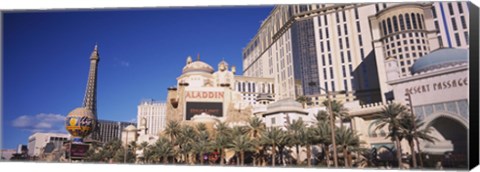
[419,21]
[402,25]
[414,21]
[389,25]
[395,23]
[384,28]
[407,20]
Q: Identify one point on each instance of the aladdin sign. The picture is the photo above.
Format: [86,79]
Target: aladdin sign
[460,82]
[204,95]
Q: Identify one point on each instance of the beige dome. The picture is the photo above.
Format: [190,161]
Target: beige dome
[130,128]
[81,112]
[198,66]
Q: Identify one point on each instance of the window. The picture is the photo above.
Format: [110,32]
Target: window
[400,56]
[399,50]
[464,23]
[406,48]
[344,72]
[321,47]
[407,20]
[384,5]
[323,59]
[324,73]
[328,45]
[339,30]
[273,120]
[413,55]
[376,8]
[340,43]
[360,41]
[454,24]
[349,57]
[320,34]
[358,27]
[356,12]
[326,86]
[402,25]
[345,29]
[319,21]
[466,36]
[460,8]
[384,27]
[347,43]
[450,8]
[404,41]
[326,33]
[333,86]
[337,17]
[457,39]
[414,22]
[434,12]
[331,73]
[440,41]
[342,57]
[345,86]
[413,47]
[344,16]
[407,55]
[351,69]
[418,41]
[361,53]
[325,20]
[395,23]
[436,24]
[330,59]
[389,24]
[419,18]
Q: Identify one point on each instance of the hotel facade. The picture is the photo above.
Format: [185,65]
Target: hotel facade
[342,49]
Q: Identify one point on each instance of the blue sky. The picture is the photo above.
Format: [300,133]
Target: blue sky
[142,51]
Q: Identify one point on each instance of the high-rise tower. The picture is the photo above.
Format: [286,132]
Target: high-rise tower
[90,99]
[83,120]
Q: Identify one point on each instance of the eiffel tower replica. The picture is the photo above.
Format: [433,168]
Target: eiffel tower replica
[90,99]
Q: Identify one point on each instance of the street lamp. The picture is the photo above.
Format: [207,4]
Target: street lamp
[128,129]
[332,127]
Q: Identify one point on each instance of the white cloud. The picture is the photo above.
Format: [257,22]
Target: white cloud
[42,122]
[124,63]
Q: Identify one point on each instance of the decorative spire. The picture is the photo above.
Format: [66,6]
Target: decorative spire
[90,99]
[198,56]
[94,55]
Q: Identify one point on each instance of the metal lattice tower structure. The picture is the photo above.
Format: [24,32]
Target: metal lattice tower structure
[90,99]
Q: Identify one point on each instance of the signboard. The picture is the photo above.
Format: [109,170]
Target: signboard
[211,108]
[78,151]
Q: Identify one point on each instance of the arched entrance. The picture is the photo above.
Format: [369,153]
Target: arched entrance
[451,132]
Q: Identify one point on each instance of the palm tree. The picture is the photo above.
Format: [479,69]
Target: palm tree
[390,117]
[222,138]
[307,138]
[202,141]
[410,132]
[338,109]
[294,130]
[143,146]
[241,143]
[173,130]
[303,100]
[322,135]
[164,148]
[348,140]
[271,137]
[255,128]
[185,140]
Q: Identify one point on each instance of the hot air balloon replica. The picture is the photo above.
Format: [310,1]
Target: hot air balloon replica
[81,121]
